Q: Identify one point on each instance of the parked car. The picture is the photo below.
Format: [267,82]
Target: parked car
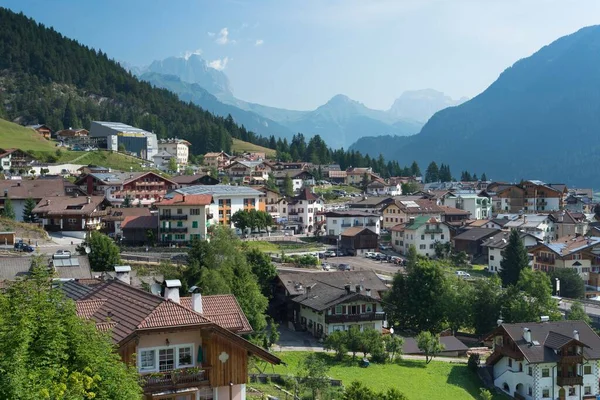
[330,253]
[396,260]
[341,253]
[322,254]
[325,266]
[369,254]
[62,254]
[380,257]
[384,247]
[20,246]
[344,267]
[463,274]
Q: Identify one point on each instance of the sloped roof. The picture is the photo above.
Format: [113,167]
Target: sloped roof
[13,267]
[500,240]
[567,245]
[87,308]
[357,230]
[476,234]
[140,222]
[224,310]
[451,344]
[36,188]
[306,194]
[168,313]
[174,199]
[68,205]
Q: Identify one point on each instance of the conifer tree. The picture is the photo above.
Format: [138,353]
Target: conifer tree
[515,260]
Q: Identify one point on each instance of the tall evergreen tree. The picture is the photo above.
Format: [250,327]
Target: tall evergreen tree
[70,119]
[288,186]
[414,169]
[28,215]
[484,177]
[432,173]
[8,211]
[515,260]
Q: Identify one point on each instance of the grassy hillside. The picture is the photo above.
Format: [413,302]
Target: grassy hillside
[239,146]
[104,158]
[17,136]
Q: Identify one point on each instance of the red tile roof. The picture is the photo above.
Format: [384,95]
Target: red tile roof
[87,308]
[224,310]
[187,200]
[169,313]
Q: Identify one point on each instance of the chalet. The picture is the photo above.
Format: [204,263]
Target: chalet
[370,204]
[71,215]
[184,348]
[337,221]
[539,225]
[496,244]
[192,180]
[335,176]
[325,302]
[140,230]
[545,360]
[300,178]
[115,216]
[120,188]
[15,161]
[359,240]
[471,241]
[567,223]
[66,135]
[400,211]
[42,129]
[356,176]
[217,160]
[379,187]
[422,232]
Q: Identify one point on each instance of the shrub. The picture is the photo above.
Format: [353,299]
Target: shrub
[473,362]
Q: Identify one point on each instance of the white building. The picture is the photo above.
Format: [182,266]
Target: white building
[182,217]
[177,147]
[303,211]
[338,221]
[540,226]
[380,188]
[422,232]
[479,206]
[546,360]
[162,160]
[496,245]
[226,201]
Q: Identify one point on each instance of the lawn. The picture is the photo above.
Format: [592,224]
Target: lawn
[418,381]
[288,247]
[19,137]
[239,146]
[329,189]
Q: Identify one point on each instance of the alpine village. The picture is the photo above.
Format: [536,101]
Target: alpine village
[162,239]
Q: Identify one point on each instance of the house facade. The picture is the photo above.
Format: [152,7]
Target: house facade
[338,221]
[496,244]
[379,187]
[400,211]
[422,232]
[546,360]
[477,204]
[300,178]
[539,225]
[568,223]
[304,210]
[217,160]
[322,303]
[179,148]
[359,240]
[183,217]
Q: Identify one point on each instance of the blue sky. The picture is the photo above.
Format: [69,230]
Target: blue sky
[299,53]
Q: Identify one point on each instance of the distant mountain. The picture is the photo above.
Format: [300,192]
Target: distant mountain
[193,69]
[199,96]
[420,105]
[539,120]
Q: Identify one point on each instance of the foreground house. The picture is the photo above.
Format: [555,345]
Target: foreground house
[547,360]
[324,302]
[183,348]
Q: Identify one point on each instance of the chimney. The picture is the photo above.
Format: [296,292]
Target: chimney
[130,176]
[368,292]
[347,287]
[358,287]
[172,289]
[196,299]
[499,322]
[47,202]
[527,335]
[544,318]
[576,334]
[123,272]
[88,199]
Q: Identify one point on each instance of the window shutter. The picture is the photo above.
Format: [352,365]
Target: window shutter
[364,308]
[343,309]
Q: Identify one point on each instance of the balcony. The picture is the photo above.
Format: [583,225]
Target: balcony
[572,359]
[169,217]
[173,380]
[545,260]
[331,319]
[346,225]
[569,380]
[358,224]
[371,223]
[293,212]
[434,230]
[174,230]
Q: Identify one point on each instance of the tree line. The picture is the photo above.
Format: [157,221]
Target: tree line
[443,174]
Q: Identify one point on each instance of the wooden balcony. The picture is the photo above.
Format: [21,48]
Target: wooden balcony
[330,319]
[508,352]
[173,380]
[174,230]
[572,359]
[178,217]
[569,380]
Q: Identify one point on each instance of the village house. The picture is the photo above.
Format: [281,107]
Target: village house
[496,244]
[335,176]
[541,225]
[454,217]
[65,135]
[115,216]
[178,148]
[400,211]
[42,129]
[183,217]
[139,230]
[300,178]
[71,215]
[369,204]
[275,204]
[240,169]
[162,160]
[338,221]
[356,176]
[471,242]
[186,348]
[226,201]
[73,267]
[120,188]
[530,197]
[576,252]
[358,240]
[579,203]
[422,232]
[479,205]
[304,211]
[545,360]
[379,187]
[217,160]
[325,302]
[15,161]
[567,223]
[192,180]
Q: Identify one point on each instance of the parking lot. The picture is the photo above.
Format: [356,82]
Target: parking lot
[361,263]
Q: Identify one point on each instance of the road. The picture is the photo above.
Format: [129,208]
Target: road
[358,263]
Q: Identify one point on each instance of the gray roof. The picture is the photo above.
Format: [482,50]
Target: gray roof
[219,190]
[78,267]
[351,213]
[550,336]
[328,288]
[75,290]
[121,127]
[451,344]
[500,241]
[474,234]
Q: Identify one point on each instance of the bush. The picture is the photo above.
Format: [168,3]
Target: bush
[473,362]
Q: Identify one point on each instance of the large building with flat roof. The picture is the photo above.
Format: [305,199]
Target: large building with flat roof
[135,140]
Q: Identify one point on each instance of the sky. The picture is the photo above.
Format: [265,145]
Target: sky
[297,54]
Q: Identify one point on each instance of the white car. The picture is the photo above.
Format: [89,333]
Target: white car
[369,254]
[326,267]
[463,274]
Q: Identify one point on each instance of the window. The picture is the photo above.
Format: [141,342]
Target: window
[545,372]
[194,224]
[587,390]
[334,222]
[422,246]
[442,237]
[545,393]
[491,257]
[338,309]
[179,224]
[530,390]
[432,236]
[422,237]
[72,221]
[195,211]
[510,362]
[166,359]
[179,211]
[184,357]
[147,359]
[571,391]
[587,369]
[529,371]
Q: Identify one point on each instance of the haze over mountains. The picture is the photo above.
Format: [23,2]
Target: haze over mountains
[540,119]
[340,122]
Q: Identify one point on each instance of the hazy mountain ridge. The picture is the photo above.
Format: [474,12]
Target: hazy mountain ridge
[539,119]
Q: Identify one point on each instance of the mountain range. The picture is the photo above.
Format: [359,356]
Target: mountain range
[340,122]
[539,120]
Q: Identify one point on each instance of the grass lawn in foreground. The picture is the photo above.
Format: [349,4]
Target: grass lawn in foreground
[418,381]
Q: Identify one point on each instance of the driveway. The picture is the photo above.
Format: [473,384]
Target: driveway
[290,340]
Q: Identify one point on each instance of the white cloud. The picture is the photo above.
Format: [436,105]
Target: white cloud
[259,42]
[223,37]
[189,53]
[211,34]
[219,64]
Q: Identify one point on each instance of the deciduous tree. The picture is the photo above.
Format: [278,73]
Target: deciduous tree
[336,341]
[577,313]
[104,254]
[429,344]
[313,374]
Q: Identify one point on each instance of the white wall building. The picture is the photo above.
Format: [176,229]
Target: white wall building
[338,221]
[422,232]
[177,147]
[480,207]
[496,245]
[304,210]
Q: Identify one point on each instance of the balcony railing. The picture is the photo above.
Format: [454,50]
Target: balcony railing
[346,225]
[358,224]
[434,230]
[574,359]
[169,217]
[371,223]
[173,380]
[329,319]
[569,380]
[547,260]
[174,230]
[292,212]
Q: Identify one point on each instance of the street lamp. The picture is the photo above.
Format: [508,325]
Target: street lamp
[557,286]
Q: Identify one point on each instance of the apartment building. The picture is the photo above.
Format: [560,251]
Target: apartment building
[478,204]
[226,201]
[183,217]
[178,148]
[218,160]
[337,222]
[304,211]
[423,232]
[400,211]
[546,360]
